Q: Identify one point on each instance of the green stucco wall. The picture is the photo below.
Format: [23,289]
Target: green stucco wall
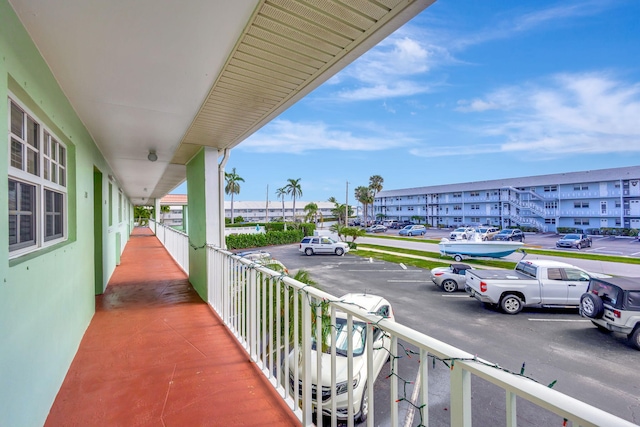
[47,298]
[196,214]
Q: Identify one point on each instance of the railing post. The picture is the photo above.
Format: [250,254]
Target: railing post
[306,363]
[511,410]
[460,380]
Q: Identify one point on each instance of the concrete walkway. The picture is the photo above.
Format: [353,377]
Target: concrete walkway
[156,355]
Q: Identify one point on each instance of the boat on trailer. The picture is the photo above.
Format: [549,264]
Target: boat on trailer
[476,247]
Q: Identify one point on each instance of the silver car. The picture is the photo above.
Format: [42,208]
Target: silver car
[451,278]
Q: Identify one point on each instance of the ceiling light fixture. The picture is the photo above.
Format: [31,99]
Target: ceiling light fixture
[152,156]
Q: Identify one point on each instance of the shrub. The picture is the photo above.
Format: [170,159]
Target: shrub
[243,241]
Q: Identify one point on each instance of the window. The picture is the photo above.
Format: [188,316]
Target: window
[37,183]
[474,194]
[580,205]
[618,204]
[550,188]
[550,221]
[455,195]
[580,187]
[476,219]
[551,205]
[581,221]
[457,219]
[457,208]
[475,207]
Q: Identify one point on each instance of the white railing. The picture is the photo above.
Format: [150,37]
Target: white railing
[176,242]
[271,315]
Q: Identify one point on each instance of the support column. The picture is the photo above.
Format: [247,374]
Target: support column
[203,215]
[156,210]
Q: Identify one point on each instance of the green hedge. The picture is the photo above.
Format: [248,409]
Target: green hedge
[306,227]
[242,241]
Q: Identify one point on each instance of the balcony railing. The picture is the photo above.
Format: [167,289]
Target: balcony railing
[176,242]
[272,316]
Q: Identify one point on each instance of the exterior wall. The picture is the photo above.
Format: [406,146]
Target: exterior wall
[47,297]
[176,216]
[542,203]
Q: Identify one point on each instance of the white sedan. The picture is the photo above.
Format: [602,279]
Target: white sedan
[381,353]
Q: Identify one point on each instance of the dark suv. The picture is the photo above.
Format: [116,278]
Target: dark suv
[613,304]
[510,234]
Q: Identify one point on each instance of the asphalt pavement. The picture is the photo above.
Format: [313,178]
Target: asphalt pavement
[555,345]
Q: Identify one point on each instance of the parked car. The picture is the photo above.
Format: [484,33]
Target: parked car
[264,258]
[613,304]
[534,283]
[376,229]
[577,241]
[461,233]
[403,224]
[413,230]
[487,233]
[381,350]
[311,245]
[390,223]
[510,234]
[254,255]
[451,278]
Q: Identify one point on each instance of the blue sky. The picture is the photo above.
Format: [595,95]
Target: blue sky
[466,91]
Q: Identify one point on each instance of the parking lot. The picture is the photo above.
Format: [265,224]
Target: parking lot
[555,345]
[605,245]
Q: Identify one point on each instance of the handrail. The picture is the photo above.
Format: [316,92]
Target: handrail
[176,242]
[271,315]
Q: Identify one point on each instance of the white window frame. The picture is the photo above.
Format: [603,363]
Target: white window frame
[47,160]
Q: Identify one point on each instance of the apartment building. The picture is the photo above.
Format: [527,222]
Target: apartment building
[588,200]
[250,211]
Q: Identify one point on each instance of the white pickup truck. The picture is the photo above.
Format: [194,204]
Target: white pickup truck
[535,283]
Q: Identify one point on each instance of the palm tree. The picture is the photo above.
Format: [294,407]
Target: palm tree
[312,211]
[233,186]
[280,193]
[295,190]
[362,195]
[375,185]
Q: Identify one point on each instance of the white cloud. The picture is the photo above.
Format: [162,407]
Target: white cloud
[394,68]
[570,114]
[542,18]
[289,137]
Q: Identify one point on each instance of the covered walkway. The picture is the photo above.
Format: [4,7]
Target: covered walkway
[155,354]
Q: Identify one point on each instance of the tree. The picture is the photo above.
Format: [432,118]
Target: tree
[312,212]
[280,193]
[164,209]
[362,195]
[294,189]
[143,213]
[339,210]
[233,186]
[375,185]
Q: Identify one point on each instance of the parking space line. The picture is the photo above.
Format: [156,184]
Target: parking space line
[408,422]
[456,296]
[389,271]
[559,320]
[409,281]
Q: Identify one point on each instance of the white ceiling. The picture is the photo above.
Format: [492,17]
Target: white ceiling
[172,76]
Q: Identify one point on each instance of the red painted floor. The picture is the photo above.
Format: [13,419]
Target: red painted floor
[155,354]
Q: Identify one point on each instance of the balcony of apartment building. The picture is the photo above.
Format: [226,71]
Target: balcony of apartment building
[156,353]
[201,337]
